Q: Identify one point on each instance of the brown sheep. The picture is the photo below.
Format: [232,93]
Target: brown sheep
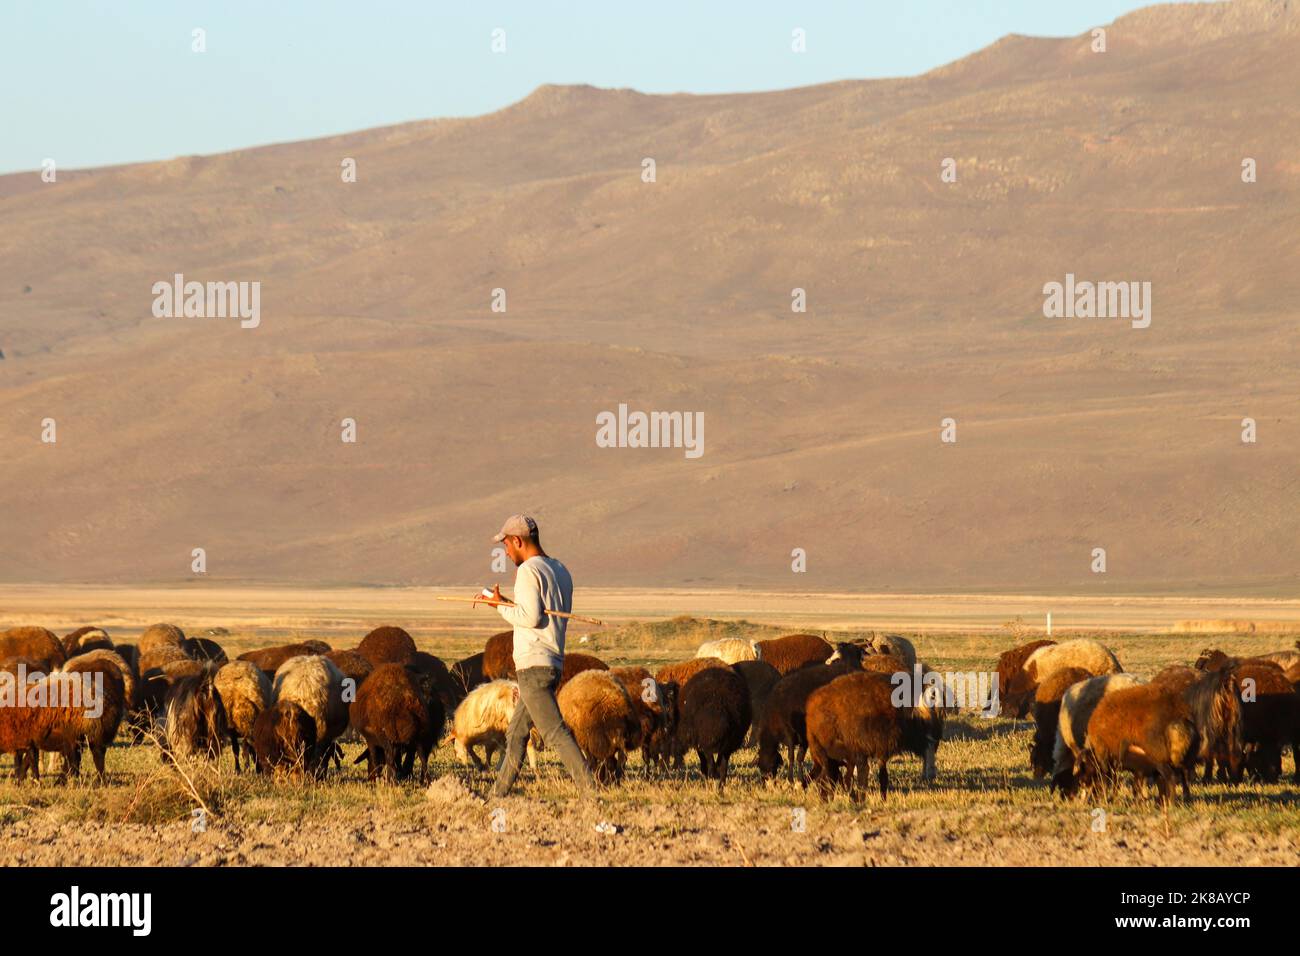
[284,738]
[794,651]
[130,683]
[853,721]
[660,747]
[1077,706]
[352,665]
[1214,660]
[682,671]
[783,723]
[35,644]
[1047,712]
[1147,730]
[93,720]
[195,717]
[604,719]
[387,645]
[271,659]
[245,692]
[499,656]
[156,635]
[85,639]
[1090,655]
[23,727]
[713,718]
[1010,662]
[575,664]
[392,715]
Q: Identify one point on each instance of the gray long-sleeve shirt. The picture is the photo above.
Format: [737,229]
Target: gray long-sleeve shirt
[540,582]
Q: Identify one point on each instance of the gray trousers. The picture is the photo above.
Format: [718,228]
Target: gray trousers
[537,706]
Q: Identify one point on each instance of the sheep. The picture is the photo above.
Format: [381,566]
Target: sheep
[271,659]
[1148,730]
[713,718]
[656,705]
[1211,659]
[643,690]
[85,639]
[893,645]
[352,665]
[196,718]
[760,677]
[482,718]
[1270,718]
[783,723]
[468,674]
[245,692]
[681,672]
[284,737]
[1047,711]
[1077,706]
[729,650]
[793,651]
[1084,653]
[156,635]
[499,656]
[92,720]
[387,645]
[575,664]
[155,678]
[34,643]
[23,727]
[204,649]
[605,722]
[1010,662]
[854,720]
[884,664]
[392,714]
[130,682]
[315,685]
[439,679]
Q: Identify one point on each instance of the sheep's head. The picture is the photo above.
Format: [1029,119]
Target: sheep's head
[849,653]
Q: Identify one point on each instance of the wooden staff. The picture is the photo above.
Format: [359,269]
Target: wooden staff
[487,600]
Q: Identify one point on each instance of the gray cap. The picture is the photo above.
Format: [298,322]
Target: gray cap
[521,525]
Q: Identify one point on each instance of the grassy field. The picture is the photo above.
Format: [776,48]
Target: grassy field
[985,807]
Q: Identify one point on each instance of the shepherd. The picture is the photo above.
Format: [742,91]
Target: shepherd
[541,583]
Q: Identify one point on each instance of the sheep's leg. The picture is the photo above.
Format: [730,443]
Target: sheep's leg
[234,748]
[424,765]
[97,752]
[723,764]
[375,760]
[884,779]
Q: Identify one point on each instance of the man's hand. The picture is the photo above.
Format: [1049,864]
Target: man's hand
[492,600]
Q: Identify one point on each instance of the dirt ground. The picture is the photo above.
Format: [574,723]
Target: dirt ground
[984,809]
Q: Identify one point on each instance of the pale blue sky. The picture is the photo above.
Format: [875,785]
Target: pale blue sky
[93,82]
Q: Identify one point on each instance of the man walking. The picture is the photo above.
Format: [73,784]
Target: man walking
[541,583]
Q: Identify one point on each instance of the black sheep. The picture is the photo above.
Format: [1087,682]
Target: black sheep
[714,717]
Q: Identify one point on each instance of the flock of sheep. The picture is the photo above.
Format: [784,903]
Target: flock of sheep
[288,708]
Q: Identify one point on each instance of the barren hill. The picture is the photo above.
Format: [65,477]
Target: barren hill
[822,429]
